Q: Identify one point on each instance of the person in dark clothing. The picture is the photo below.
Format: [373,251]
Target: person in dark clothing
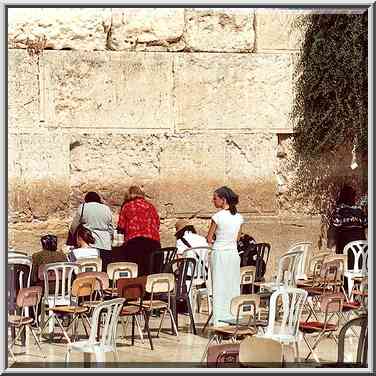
[348,223]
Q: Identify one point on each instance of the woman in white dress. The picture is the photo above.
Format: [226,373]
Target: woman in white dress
[225,260]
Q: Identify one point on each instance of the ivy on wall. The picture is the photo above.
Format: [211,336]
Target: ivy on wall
[331,93]
[330,110]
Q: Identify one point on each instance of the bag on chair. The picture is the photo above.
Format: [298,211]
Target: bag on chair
[72,237]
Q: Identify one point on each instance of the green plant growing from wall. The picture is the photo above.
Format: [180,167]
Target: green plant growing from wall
[330,107]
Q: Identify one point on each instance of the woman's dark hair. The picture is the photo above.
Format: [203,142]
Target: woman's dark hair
[49,242]
[85,234]
[347,196]
[93,197]
[181,232]
[230,196]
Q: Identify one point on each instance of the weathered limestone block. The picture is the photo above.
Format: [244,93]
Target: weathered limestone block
[82,29]
[23,91]
[276,29]
[250,167]
[130,91]
[147,29]
[38,169]
[219,30]
[192,167]
[110,163]
[25,236]
[232,91]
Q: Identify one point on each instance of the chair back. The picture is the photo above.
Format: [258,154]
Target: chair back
[22,267]
[359,248]
[116,270]
[109,310]
[131,288]
[331,303]
[331,272]
[304,247]
[247,275]
[91,264]
[103,281]
[288,265]
[315,263]
[183,269]
[262,258]
[12,253]
[201,255]
[61,273]
[84,287]
[29,297]
[362,350]
[292,300]
[161,259]
[245,306]
[257,350]
[160,283]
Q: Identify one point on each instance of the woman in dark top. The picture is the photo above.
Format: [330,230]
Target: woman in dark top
[348,223]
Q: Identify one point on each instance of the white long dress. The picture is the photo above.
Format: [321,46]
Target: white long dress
[225,265]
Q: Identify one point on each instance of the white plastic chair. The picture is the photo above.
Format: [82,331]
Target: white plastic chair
[61,273]
[301,246]
[286,330]
[359,249]
[201,275]
[107,342]
[247,277]
[288,265]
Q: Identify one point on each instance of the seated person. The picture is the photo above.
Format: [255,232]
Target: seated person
[187,237]
[84,240]
[47,255]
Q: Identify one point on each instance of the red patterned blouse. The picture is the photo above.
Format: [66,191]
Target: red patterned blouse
[139,218]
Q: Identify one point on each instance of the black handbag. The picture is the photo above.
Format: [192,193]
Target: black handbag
[72,238]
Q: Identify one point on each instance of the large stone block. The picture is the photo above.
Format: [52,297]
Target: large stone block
[233,91]
[219,30]
[250,171]
[82,29]
[38,168]
[147,29]
[110,163]
[23,91]
[192,167]
[277,29]
[130,91]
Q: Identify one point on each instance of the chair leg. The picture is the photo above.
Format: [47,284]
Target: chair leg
[160,324]
[133,323]
[191,317]
[139,329]
[214,338]
[36,341]
[296,348]
[146,317]
[173,321]
[67,356]
[124,322]
[116,355]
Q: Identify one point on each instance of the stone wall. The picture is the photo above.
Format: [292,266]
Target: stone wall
[180,101]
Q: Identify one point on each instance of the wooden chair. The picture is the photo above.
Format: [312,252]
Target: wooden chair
[243,308]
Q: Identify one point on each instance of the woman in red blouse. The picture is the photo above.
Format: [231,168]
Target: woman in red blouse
[139,221]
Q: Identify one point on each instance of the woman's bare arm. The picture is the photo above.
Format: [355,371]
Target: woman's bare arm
[212,228]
